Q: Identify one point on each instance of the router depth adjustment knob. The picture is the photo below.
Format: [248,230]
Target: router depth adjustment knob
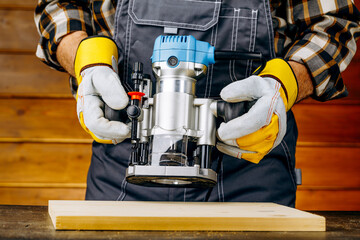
[133,111]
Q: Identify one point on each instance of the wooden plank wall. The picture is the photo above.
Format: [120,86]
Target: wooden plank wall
[45,153]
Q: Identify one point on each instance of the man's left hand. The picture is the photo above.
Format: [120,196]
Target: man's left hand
[254,134]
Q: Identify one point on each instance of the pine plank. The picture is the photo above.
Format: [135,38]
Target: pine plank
[331,123]
[39,195]
[328,199]
[44,163]
[329,166]
[18,4]
[26,75]
[110,215]
[40,118]
[21,34]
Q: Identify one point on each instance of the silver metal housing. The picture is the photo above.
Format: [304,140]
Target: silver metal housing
[175,111]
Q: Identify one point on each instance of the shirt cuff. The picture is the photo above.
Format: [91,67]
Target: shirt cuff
[63,22]
[323,69]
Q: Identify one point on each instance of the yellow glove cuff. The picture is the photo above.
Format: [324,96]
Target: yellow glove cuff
[281,71]
[94,51]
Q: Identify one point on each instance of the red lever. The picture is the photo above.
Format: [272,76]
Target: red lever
[136,95]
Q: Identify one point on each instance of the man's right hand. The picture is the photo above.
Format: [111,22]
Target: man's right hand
[96,73]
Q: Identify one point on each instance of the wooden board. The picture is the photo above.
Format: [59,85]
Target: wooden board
[23,163]
[18,4]
[330,123]
[21,34]
[329,167]
[40,118]
[26,75]
[318,199]
[39,195]
[190,216]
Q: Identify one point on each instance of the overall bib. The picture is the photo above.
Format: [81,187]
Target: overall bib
[235,25]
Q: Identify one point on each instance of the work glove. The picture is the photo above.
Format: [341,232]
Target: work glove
[254,134]
[99,84]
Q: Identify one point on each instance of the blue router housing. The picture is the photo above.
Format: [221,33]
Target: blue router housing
[184,48]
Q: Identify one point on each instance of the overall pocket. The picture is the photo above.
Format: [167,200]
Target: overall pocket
[236,31]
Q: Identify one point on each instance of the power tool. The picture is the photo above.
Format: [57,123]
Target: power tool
[172,131]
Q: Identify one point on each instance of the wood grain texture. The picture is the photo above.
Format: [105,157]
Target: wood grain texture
[21,34]
[331,123]
[18,4]
[26,75]
[40,118]
[39,195]
[110,215]
[329,166]
[44,163]
[328,199]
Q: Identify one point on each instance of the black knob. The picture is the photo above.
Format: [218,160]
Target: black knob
[133,111]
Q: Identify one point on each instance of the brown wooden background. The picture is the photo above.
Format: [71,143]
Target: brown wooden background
[45,154]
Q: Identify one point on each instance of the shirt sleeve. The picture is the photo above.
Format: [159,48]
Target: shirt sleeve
[326,34]
[54,19]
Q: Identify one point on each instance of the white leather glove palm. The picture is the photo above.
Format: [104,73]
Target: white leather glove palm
[254,134]
[101,85]
[95,70]
[258,131]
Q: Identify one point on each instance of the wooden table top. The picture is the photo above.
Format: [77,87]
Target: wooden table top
[33,222]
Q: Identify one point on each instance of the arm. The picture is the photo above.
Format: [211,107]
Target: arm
[306,87]
[52,20]
[62,26]
[324,43]
[67,50]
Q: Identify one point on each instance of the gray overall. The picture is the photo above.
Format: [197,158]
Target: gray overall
[227,25]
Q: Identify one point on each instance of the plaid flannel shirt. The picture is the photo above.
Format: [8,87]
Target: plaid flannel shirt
[321,34]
